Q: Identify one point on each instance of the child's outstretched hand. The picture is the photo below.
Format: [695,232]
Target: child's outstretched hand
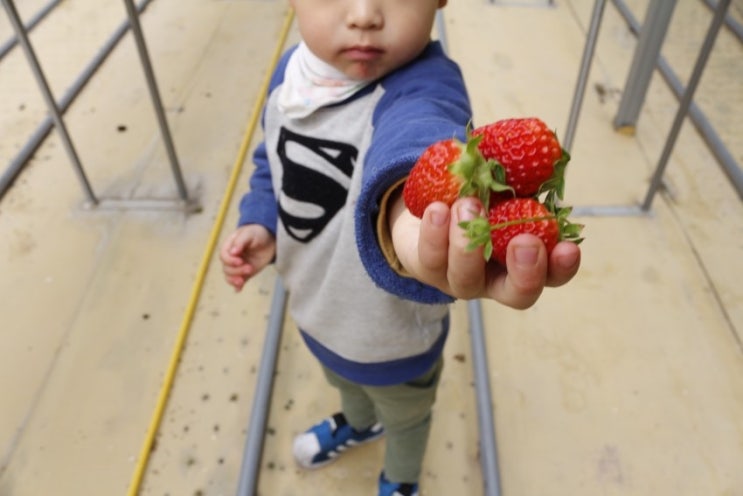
[433,249]
[246,252]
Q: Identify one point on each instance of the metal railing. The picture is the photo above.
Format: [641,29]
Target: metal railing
[57,109]
[646,59]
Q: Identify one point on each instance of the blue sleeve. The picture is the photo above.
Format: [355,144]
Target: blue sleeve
[258,205]
[423,103]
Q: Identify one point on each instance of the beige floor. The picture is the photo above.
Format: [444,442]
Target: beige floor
[628,381]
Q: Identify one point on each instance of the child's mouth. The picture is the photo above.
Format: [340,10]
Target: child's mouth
[362,53]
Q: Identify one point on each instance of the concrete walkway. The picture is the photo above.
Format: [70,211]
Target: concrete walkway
[628,381]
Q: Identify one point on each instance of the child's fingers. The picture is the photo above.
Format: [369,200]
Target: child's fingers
[433,243]
[527,272]
[240,270]
[236,282]
[226,250]
[466,269]
[232,261]
[232,250]
[564,263]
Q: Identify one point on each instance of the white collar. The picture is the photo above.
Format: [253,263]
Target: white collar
[311,83]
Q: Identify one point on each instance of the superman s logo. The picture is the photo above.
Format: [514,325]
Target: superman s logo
[315,183]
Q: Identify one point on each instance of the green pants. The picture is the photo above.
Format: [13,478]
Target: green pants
[403,409]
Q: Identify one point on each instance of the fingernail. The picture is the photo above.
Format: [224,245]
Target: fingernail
[526,255]
[567,262]
[467,212]
[438,218]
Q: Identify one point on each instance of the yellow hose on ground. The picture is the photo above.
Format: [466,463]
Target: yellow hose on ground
[162,400]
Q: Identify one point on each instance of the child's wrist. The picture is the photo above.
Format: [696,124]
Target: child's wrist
[384,230]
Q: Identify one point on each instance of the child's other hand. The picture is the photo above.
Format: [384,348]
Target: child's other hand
[434,250]
[246,252]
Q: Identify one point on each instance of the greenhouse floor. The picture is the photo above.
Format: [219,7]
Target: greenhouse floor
[628,381]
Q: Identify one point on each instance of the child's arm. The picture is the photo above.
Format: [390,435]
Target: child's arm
[252,245]
[433,251]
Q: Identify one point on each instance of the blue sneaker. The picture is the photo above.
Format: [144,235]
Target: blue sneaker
[322,443]
[387,488]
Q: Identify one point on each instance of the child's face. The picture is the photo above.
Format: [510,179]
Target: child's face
[366,39]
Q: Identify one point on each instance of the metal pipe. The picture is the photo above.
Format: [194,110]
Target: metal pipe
[254,439]
[156,100]
[608,211]
[33,61]
[488,450]
[698,118]
[716,146]
[6,47]
[441,29]
[685,103]
[650,40]
[585,67]
[177,353]
[730,22]
[32,145]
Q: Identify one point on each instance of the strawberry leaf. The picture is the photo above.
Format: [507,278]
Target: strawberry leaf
[479,176]
[569,231]
[555,185]
[478,232]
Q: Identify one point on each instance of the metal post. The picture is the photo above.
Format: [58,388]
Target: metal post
[262,397]
[730,22]
[37,18]
[155,95]
[686,99]
[652,34]
[15,20]
[441,29]
[585,67]
[20,160]
[706,130]
[488,450]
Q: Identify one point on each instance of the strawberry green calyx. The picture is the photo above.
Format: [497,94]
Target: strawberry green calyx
[510,218]
[569,231]
[555,185]
[479,176]
[479,231]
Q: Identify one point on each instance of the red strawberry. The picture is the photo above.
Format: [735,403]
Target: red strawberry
[447,170]
[515,216]
[529,152]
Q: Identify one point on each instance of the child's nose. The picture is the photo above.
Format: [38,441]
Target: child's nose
[365,14]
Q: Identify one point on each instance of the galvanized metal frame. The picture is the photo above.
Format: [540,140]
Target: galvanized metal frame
[686,99]
[9,44]
[659,12]
[730,22]
[157,104]
[657,19]
[584,70]
[46,92]
[42,131]
[708,133]
[481,369]
[56,111]
[256,431]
